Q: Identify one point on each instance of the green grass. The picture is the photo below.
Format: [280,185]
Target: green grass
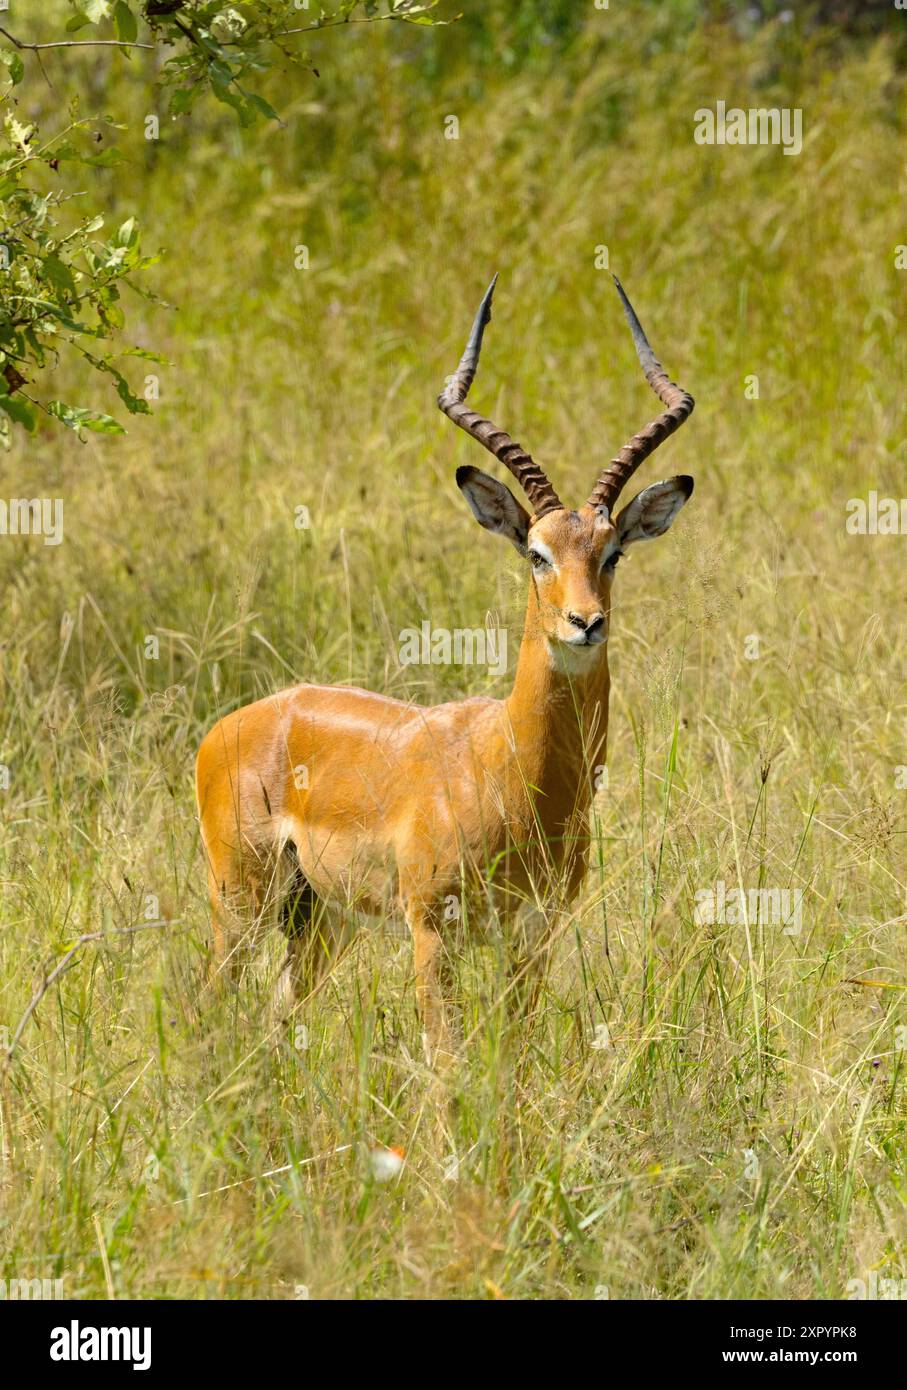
[129,1096]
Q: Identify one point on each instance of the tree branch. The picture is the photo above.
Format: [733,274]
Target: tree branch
[75,43]
[333,23]
[150,47]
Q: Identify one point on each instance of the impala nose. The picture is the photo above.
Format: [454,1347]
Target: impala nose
[588,625]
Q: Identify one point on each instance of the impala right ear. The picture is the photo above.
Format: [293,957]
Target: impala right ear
[494,506]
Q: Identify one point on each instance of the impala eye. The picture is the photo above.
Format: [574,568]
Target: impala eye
[538,561]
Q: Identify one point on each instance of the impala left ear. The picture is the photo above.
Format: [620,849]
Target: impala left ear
[652,511]
[494,506]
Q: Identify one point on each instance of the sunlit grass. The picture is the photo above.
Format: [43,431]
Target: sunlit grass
[619,1167]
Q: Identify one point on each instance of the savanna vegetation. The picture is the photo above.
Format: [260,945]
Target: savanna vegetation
[701,1110]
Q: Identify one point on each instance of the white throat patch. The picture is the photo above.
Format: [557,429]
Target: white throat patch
[574,661]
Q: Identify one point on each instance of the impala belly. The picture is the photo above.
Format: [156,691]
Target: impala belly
[365,787]
[387,787]
[335,793]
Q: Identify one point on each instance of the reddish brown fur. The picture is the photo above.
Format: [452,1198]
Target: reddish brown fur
[474,794]
[397,791]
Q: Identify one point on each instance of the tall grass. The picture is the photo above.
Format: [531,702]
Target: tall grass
[140,1120]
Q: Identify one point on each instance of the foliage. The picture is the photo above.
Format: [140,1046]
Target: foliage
[60,283]
[59,286]
[220,46]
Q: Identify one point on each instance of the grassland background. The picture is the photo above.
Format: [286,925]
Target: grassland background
[620,1167]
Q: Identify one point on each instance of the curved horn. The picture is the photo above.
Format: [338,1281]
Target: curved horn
[527,472]
[679,403]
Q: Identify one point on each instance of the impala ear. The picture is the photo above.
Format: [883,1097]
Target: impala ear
[652,511]
[494,506]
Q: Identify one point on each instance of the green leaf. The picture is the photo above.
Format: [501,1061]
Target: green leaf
[78,418]
[82,328]
[78,21]
[183,100]
[263,106]
[220,72]
[112,315]
[59,273]
[127,28]
[96,10]
[136,405]
[127,234]
[145,352]
[65,150]
[102,424]
[19,134]
[229,97]
[19,410]
[11,59]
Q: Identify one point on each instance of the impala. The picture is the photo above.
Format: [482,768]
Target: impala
[325,792]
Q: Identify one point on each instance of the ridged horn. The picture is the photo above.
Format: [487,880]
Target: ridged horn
[679,403]
[527,472]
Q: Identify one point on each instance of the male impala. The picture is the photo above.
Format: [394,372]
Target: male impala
[478,794]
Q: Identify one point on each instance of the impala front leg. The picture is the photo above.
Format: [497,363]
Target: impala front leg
[433,974]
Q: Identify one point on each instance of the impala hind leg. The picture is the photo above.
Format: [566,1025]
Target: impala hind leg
[237,896]
[311,946]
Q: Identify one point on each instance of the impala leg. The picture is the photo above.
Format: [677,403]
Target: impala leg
[237,901]
[314,942]
[297,917]
[434,975]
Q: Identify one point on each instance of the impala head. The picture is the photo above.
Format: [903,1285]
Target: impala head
[572,554]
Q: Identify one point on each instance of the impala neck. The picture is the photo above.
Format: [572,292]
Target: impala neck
[559,717]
